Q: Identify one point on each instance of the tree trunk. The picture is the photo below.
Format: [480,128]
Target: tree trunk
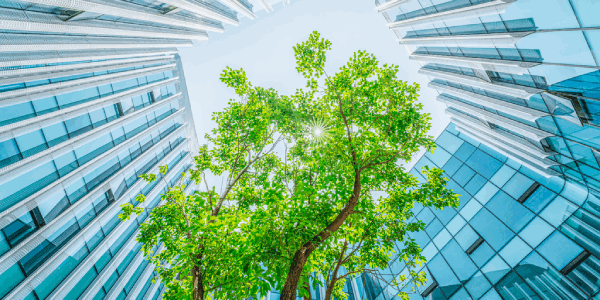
[198,292]
[301,256]
[328,293]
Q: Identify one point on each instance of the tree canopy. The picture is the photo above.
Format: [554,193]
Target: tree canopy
[314,187]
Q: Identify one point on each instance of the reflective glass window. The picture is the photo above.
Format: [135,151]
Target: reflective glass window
[478,285]
[491,229]
[449,142]
[495,269]
[503,175]
[463,196]
[515,251]
[558,211]
[463,175]
[9,153]
[470,209]
[76,97]
[78,125]
[445,215]
[483,164]
[475,184]
[15,113]
[45,105]
[439,157]
[559,250]
[443,275]
[434,227]
[459,261]
[55,134]
[31,143]
[482,254]
[10,279]
[509,211]
[452,166]
[538,200]
[465,151]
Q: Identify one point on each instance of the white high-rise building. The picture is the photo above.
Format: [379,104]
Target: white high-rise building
[92,94]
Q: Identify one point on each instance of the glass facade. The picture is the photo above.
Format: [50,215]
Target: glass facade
[64,176]
[519,80]
[92,96]
[515,235]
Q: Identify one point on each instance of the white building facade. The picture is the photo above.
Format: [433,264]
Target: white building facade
[92,94]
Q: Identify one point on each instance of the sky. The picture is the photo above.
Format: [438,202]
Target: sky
[263,48]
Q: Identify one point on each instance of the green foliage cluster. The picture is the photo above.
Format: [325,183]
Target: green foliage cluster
[313,189]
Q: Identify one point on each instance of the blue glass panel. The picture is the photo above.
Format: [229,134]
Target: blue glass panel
[483,164]
[31,143]
[482,254]
[491,229]
[77,97]
[538,200]
[9,153]
[434,228]
[463,196]
[439,157]
[459,262]
[515,251]
[445,215]
[478,285]
[495,269]
[475,184]
[443,275]
[10,279]
[45,105]
[449,142]
[15,113]
[503,175]
[559,250]
[55,134]
[463,175]
[509,211]
[452,166]
[558,211]
[466,237]
[465,151]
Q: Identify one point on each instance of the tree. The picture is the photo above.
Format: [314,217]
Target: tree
[204,253]
[346,135]
[298,176]
[365,243]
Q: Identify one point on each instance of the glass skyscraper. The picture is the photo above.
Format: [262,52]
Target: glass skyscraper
[520,81]
[92,94]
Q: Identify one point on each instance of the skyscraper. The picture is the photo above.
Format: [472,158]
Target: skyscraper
[92,94]
[519,79]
